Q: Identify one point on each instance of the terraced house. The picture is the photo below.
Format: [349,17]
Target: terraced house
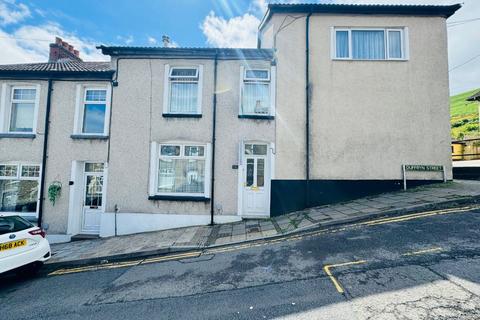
[330,106]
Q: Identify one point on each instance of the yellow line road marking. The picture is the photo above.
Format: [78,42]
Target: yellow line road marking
[415,216]
[327,268]
[172,257]
[272,241]
[422,251]
[115,265]
[95,267]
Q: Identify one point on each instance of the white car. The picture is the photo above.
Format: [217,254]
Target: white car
[23,246]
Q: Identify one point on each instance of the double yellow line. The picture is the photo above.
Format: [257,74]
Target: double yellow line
[415,216]
[114,265]
[260,242]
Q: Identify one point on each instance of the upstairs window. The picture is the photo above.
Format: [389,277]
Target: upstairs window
[369,44]
[92,111]
[21,109]
[256,92]
[183,90]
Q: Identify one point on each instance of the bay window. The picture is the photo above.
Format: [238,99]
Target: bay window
[369,43]
[183,92]
[181,170]
[19,187]
[256,92]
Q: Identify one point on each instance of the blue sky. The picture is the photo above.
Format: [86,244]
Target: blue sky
[28,26]
[135,22]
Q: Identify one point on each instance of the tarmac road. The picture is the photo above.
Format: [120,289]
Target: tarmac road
[423,266]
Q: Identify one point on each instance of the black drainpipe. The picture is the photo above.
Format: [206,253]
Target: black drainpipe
[212,191]
[44,155]
[307,110]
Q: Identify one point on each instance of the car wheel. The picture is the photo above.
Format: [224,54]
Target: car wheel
[29,270]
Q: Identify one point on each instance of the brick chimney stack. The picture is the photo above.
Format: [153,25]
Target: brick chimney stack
[62,50]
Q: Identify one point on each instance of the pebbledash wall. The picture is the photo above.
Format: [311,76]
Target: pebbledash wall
[367,118]
[138,124]
[63,149]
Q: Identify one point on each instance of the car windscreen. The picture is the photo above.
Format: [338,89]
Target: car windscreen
[13,224]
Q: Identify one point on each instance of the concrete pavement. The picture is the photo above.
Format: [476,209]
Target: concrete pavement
[202,237]
[424,267]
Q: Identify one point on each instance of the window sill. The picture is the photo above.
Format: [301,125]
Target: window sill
[181,115]
[257,117]
[179,198]
[88,137]
[385,60]
[18,135]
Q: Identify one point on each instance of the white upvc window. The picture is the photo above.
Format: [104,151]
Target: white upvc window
[19,188]
[257,91]
[19,108]
[369,43]
[183,90]
[180,169]
[92,111]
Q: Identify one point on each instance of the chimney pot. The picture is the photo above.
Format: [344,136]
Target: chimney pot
[166,41]
[62,50]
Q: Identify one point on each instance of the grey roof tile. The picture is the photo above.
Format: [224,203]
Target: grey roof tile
[64,66]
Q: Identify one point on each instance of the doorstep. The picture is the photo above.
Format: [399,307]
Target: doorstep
[80,237]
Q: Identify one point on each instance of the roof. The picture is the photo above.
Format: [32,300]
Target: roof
[475,97]
[60,69]
[372,9]
[191,53]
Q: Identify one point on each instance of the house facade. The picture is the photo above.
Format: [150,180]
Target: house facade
[332,103]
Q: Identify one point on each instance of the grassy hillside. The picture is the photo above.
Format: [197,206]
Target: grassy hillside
[463,115]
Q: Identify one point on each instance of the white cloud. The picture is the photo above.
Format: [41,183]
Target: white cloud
[151,40]
[12,13]
[30,43]
[128,40]
[258,6]
[25,43]
[173,44]
[236,32]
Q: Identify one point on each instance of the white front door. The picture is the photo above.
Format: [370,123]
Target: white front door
[256,180]
[93,203]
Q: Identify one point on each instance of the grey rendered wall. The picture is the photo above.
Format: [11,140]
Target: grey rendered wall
[137,120]
[63,150]
[290,102]
[26,150]
[232,131]
[367,117]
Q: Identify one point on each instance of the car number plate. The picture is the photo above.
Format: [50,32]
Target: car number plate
[13,244]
